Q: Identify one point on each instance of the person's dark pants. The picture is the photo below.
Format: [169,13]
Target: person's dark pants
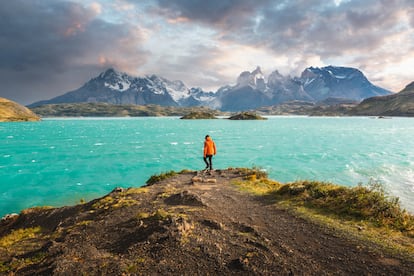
[208,160]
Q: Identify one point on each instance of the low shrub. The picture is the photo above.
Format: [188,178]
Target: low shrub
[157,178]
[18,235]
[360,202]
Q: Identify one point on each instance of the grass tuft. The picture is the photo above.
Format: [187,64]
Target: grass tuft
[159,177]
[259,186]
[363,203]
[18,235]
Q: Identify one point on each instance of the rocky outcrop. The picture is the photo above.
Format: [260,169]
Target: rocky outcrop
[247,116]
[13,112]
[199,115]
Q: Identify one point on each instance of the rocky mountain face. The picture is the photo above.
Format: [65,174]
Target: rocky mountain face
[399,104]
[338,82]
[13,112]
[314,85]
[119,88]
[250,92]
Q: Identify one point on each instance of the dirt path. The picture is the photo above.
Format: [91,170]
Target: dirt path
[283,242]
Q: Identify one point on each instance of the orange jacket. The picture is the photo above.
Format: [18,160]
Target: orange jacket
[209,147]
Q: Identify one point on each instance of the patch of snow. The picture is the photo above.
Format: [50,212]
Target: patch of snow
[177,90]
[308,81]
[206,98]
[121,85]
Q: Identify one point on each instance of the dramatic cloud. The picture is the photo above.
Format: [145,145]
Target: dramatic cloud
[226,14]
[332,32]
[52,46]
[43,40]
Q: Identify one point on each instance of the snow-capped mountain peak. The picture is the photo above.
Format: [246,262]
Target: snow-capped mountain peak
[176,89]
[254,79]
[338,82]
[116,80]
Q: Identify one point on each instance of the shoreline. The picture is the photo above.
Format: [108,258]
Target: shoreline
[72,200]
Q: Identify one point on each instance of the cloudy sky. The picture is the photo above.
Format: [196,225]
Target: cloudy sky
[49,47]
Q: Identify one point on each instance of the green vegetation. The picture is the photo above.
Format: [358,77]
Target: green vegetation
[199,115]
[20,242]
[113,110]
[114,202]
[18,235]
[256,181]
[156,178]
[124,198]
[19,263]
[131,191]
[365,210]
[362,203]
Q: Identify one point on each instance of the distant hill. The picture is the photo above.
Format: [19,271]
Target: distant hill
[251,90]
[399,104]
[13,112]
[328,107]
[113,110]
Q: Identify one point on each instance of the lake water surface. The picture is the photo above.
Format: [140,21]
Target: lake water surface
[61,161]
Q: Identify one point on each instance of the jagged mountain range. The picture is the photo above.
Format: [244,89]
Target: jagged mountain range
[251,90]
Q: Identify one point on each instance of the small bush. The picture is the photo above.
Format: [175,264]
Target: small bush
[157,178]
[253,173]
[256,181]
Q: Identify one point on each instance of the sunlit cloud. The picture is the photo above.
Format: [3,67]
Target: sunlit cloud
[177,20]
[96,8]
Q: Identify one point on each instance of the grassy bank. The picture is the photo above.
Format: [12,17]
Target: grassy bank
[361,211]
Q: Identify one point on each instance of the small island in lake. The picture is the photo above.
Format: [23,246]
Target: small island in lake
[199,115]
[247,116]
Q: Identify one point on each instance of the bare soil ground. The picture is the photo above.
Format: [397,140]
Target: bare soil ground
[186,225]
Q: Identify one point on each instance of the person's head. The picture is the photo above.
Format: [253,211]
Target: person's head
[207,136]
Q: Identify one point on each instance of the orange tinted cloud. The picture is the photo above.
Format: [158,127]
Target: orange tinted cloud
[180,19]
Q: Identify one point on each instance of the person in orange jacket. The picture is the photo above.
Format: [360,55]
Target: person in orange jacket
[209,151]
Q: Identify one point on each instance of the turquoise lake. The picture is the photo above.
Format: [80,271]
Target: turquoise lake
[58,162]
